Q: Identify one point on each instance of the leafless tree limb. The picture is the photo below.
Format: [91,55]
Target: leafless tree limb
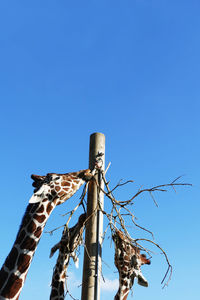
[118,206]
[169,269]
[121,210]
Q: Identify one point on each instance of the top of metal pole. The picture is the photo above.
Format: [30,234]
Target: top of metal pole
[97,145]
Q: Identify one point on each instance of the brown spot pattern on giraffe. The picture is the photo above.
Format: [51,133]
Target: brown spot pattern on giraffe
[61,289]
[3,277]
[53,193]
[23,262]
[11,259]
[38,232]
[50,197]
[49,208]
[59,202]
[54,293]
[61,194]
[12,287]
[60,269]
[56,284]
[40,218]
[65,183]
[41,209]
[57,277]
[31,227]
[76,181]
[29,244]
[20,237]
[26,220]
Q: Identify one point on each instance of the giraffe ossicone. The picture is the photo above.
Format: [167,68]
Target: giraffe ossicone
[50,190]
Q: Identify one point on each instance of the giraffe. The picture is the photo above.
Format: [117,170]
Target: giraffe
[67,246]
[50,190]
[128,261]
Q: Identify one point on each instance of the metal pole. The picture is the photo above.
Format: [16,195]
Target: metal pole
[94,226]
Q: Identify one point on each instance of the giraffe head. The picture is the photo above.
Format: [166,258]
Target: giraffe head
[58,187]
[128,261]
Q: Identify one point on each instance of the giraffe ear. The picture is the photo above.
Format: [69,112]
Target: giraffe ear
[40,194]
[142,281]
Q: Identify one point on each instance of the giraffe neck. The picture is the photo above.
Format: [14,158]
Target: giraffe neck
[123,264]
[120,295]
[50,190]
[71,239]
[59,277]
[14,271]
[125,284]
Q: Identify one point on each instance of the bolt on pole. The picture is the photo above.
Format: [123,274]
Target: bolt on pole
[94,226]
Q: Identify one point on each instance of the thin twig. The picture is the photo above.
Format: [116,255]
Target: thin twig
[166,257]
[51,231]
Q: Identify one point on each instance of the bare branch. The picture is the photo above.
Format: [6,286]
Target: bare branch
[106,170]
[51,231]
[120,213]
[169,270]
[121,184]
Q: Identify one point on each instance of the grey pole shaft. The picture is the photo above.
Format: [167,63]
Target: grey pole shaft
[94,226]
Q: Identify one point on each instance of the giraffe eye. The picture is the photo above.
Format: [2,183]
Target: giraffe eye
[56,178]
[48,178]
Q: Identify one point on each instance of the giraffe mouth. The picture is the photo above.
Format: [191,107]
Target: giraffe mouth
[86,175]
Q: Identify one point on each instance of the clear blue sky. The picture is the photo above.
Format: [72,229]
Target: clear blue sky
[129,69]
